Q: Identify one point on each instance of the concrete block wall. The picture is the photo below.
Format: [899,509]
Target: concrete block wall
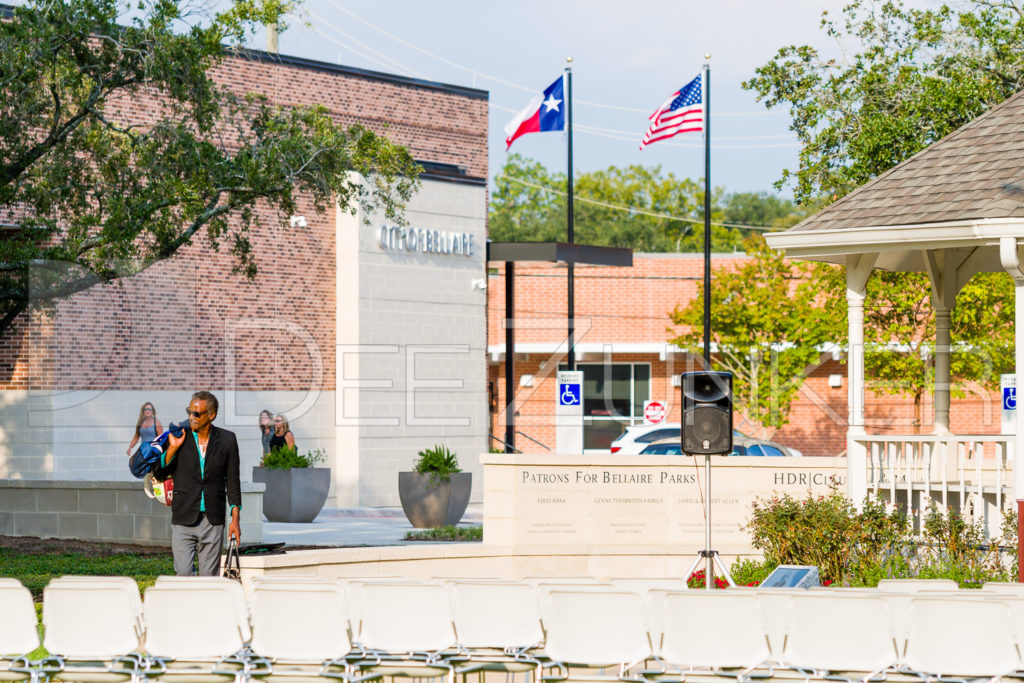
[113,511]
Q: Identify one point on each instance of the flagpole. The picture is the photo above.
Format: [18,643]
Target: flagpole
[707,214]
[569,218]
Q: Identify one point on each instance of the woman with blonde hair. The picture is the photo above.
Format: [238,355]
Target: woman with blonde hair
[282,434]
[146,428]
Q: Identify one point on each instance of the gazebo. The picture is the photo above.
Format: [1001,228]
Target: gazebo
[953,210]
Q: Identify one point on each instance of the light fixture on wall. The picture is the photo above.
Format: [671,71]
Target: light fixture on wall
[835,381]
[480,284]
[298,221]
[526,380]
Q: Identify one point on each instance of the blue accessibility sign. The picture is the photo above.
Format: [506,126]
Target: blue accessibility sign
[569,394]
[1009,398]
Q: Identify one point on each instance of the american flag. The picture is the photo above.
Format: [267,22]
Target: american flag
[683,112]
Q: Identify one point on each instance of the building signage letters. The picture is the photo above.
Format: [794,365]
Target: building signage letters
[427,241]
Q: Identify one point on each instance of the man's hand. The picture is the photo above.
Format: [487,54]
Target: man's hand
[234,528]
[173,444]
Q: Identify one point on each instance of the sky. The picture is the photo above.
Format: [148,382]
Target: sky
[627,59]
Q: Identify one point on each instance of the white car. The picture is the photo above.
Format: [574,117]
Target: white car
[638,437]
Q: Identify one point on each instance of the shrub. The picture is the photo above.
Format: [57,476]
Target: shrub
[827,532]
[859,548]
[437,462]
[287,457]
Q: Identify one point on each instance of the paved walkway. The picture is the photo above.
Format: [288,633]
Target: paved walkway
[353,527]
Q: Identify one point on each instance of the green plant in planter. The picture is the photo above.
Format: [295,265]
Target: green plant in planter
[287,457]
[438,463]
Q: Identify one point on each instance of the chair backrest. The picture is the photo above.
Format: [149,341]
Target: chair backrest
[595,628]
[496,615]
[839,633]
[229,586]
[1003,588]
[125,583]
[355,598]
[641,586]
[917,585]
[89,620]
[299,622]
[197,622]
[714,629]
[961,637]
[18,633]
[405,617]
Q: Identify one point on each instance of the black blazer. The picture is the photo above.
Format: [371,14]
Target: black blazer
[220,477]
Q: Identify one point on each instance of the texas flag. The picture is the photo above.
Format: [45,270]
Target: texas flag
[544,112]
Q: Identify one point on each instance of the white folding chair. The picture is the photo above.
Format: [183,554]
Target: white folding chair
[830,635]
[230,586]
[19,635]
[718,632]
[499,624]
[194,633]
[918,585]
[300,630]
[591,630]
[1003,588]
[406,629]
[91,631]
[960,637]
[125,583]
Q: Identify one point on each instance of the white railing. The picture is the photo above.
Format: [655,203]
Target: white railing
[972,473]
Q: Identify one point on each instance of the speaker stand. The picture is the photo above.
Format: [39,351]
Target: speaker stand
[709,556]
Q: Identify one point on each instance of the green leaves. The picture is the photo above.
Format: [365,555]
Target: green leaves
[438,462]
[111,192]
[771,321]
[287,457]
[907,78]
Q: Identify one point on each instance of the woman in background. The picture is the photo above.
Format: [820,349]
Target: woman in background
[146,428]
[266,429]
[282,434]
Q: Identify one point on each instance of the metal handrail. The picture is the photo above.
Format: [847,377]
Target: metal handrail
[504,443]
[534,440]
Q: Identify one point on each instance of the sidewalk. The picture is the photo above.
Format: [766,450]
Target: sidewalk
[354,527]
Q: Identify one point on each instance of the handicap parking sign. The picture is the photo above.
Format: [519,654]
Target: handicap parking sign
[1009,398]
[569,395]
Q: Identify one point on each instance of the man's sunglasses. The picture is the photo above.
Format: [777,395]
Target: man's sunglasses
[195,413]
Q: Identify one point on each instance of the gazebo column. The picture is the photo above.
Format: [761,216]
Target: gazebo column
[942,375]
[1010,256]
[858,269]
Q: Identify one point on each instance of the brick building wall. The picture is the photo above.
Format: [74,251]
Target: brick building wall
[627,307]
[166,327]
[72,379]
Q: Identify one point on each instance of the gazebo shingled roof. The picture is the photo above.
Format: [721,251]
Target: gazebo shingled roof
[975,172]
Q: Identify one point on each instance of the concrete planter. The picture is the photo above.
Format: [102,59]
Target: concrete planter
[428,506]
[293,495]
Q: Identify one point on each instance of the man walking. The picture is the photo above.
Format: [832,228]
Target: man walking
[204,463]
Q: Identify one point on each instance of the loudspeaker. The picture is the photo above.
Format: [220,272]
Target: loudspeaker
[707,413]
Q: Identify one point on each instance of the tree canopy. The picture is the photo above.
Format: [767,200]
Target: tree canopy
[639,207]
[85,185]
[906,78]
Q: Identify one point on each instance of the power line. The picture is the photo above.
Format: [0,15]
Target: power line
[367,47]
[628,209]
[510,84]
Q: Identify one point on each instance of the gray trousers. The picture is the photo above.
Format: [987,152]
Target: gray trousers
[204,540]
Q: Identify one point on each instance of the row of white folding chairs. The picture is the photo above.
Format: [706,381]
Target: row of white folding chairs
[197,627]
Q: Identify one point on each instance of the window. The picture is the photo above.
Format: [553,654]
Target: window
[659,434]
[613,399]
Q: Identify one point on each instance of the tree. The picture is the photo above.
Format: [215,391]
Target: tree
[84,186]
[908,78]
[636,207]
[771,320]
[758,208]
[899,334]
